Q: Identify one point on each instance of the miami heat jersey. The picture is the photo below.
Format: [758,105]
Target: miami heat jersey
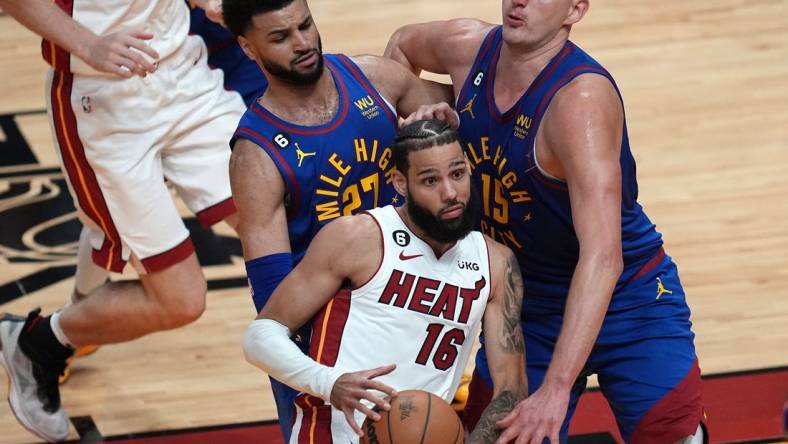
[335,169]
[167,20]
[522,206]
[417,311]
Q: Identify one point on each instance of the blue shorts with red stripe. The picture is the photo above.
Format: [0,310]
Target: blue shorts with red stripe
[644,359]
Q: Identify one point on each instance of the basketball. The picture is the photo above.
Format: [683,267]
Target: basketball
[416,416]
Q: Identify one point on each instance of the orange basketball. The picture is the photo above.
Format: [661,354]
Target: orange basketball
[416,416]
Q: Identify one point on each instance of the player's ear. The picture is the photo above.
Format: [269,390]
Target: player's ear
[577,10]
[400,182]
[247,47]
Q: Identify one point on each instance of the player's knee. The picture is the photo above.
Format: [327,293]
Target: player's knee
[181,307]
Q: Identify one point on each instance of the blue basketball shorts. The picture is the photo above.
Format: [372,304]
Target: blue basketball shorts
[644,359]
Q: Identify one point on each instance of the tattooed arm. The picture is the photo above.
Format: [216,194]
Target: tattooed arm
[503,342]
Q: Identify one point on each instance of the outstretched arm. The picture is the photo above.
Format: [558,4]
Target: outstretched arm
[403,89]
[120,53]
[503,343]
[442,47]
[339,253]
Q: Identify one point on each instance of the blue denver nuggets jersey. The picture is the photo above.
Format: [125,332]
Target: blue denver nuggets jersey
[335,169]
[521,206]
[241,73]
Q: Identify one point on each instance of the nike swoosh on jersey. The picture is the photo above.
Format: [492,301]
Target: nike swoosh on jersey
[405,257]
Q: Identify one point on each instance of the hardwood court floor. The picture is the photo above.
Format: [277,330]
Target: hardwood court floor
[706,88]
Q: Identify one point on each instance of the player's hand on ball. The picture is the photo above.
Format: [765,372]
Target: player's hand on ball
[350,388]
[122,53]
[535,418]
[440,111]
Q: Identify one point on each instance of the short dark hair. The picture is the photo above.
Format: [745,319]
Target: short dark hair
[238,14]
[420,135]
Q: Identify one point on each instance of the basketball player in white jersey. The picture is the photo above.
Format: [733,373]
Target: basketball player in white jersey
[397,297]
[131,100]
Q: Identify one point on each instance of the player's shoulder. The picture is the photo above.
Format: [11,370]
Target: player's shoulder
[248,154]
[460,42]
[588,99]
[378,68]
[350,244]
[499,255]
[367,62]
[359,228]
[587,88]
[467,30]
[496,249]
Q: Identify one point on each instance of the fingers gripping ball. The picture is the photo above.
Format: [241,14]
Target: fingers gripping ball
[416,416]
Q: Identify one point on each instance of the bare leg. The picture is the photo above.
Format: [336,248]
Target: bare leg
[122,311]
[232,221]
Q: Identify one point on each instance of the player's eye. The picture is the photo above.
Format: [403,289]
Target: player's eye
[458,174]
[429,181]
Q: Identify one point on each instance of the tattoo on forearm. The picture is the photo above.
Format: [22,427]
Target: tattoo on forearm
[512,333]
[486,431]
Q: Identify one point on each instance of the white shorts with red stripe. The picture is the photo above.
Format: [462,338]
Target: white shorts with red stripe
[119,139]
[320,423]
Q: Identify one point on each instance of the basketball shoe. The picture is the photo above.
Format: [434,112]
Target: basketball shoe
[33,391]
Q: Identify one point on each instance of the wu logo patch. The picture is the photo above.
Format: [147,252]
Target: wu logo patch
[364,103]
[521,126]
[368,107]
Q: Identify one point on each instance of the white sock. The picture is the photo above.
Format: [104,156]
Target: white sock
[89,276]
[54,322]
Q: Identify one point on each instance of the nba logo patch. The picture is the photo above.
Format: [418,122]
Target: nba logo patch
[86,105]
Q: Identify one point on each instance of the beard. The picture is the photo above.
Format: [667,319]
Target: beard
[291,75]
[445,231]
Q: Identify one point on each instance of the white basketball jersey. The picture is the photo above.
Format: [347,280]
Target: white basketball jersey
[418,311]
[167,20]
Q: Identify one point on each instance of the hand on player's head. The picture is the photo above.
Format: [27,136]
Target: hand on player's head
[440,111]
[213,11]
[350,388]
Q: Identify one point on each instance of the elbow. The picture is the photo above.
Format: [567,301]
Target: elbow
[614,260]
[254,344]
[611,260]
[250,343]
[394,48]
[393,45]
[607,261]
